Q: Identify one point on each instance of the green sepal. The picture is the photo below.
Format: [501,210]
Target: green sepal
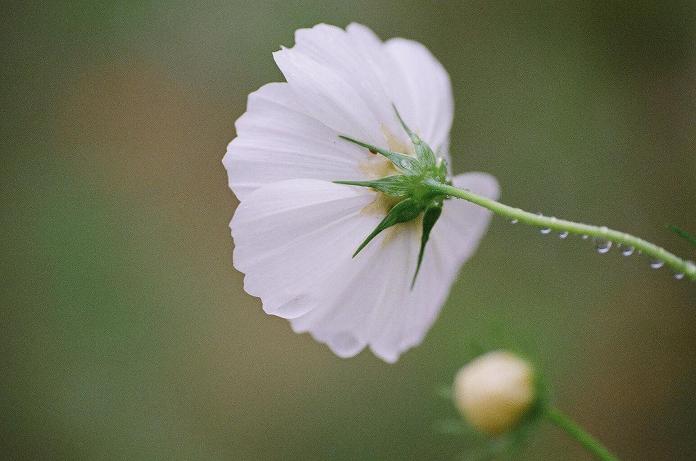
[394,186]
[430,217]
[403,162]
[441,167]
[423,152]
[404,211]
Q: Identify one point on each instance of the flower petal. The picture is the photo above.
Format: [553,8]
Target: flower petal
[354,64]
[463,224]
[329,90]
[359,300]
[350,79]
[290,235]
[454,239]
[428,105]
[277,141]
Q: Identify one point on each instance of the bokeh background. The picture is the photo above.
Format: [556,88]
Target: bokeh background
[126,333]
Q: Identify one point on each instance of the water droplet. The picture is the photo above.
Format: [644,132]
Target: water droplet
[514,221]
[602,246]
[656,264]
[563,235]
[679,276]
[585,237]
[628,251]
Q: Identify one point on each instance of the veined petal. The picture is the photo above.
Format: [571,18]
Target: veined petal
[359,300]
[349,80]
[339,53]
[290,235]
[415,81]
[428,105]
[453,241]
[374,54]
[276,141]
[327,95]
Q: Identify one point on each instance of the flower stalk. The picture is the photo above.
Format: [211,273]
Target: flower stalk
[681,267]
[576,432]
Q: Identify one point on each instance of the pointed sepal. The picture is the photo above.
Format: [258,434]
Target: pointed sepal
[423,152]
[394,186]
[441,167]
[430,217]
[404,211]
[403,162]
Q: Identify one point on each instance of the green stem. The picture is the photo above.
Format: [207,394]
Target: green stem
[680,266]
[586,440]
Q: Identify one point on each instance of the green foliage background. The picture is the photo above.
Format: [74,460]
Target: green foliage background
[125,330]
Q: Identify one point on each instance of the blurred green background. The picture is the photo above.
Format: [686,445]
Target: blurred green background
[126,332]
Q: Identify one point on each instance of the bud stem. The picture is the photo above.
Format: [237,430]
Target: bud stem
[575,431]
[677,264]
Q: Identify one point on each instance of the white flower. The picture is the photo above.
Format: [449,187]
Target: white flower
[494,391]
[295,230]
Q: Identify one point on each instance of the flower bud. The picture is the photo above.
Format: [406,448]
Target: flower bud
[494,391]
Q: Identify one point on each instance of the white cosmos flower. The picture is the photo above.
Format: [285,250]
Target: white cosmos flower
[295,230]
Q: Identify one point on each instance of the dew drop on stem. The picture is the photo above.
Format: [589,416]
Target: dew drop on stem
[602,246]
[656,264]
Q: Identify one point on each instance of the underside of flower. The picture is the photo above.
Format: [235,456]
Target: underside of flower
[411,187]
[297,227]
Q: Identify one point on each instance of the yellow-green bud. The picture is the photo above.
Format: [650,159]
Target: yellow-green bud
[494,391]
